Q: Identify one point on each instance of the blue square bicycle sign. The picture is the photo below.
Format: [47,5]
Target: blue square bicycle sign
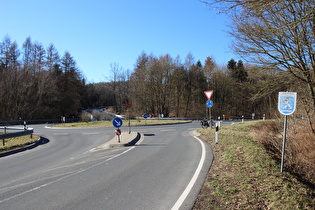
[287,102]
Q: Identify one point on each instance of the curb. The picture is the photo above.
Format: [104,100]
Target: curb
[125,142]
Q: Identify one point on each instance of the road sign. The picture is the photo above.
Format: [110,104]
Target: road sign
[286,102]
[208,94]
[209,103]
[118,132]
[145,116]
[117,122]
[286,106]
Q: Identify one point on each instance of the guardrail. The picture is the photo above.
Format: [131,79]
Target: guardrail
[39,121]
[25,131]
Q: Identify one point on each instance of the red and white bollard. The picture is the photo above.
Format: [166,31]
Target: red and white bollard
[216,133]
[118,133]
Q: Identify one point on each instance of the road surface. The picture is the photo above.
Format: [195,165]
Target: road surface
[164,171]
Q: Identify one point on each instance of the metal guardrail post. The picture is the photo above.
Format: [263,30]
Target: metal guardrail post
[5,132]
[25,131]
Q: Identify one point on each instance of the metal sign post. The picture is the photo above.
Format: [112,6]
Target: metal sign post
[286,106]
[209,104]
[117,123]
[145,116]
[283,142]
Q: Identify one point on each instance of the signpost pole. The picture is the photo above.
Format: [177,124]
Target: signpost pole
[286,106]
[117,123]
[209,104]
[129,129]
[283,142]
[207,111]
[145,116]
[210,117]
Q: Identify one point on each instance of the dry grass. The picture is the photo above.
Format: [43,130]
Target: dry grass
[17,142]
[299,150]
[245,176]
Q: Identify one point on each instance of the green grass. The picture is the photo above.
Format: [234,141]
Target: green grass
[244,176]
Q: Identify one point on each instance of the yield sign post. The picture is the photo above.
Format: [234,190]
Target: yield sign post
[209,103]
[208,94]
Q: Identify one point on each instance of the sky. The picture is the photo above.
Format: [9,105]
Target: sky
[101,33]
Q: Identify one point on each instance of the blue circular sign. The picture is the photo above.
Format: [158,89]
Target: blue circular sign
[145,116]
[209,103]
[117,122]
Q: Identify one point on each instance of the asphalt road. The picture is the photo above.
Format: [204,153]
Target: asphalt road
[164,171]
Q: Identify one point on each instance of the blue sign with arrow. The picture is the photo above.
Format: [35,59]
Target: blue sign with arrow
[209,103]
[117,122]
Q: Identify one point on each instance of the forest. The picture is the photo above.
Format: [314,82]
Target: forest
[37,83]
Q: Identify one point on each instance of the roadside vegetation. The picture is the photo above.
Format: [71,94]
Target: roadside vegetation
[246,174]
[17,142]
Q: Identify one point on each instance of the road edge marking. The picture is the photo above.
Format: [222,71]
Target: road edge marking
[193,180]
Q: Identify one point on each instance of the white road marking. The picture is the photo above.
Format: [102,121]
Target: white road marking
[193,180]
[65,176]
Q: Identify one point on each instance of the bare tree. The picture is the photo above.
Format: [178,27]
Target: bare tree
[52,57]
[277,33]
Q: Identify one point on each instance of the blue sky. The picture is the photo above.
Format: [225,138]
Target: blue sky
[98,33]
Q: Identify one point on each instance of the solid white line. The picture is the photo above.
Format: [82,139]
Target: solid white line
[193,180]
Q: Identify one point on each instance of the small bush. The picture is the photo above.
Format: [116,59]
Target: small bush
[86,117]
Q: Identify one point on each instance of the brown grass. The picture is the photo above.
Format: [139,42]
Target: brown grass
[17,142]
[300,146]
[244,175]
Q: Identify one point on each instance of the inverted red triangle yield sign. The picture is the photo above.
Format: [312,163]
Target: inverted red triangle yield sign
[208,94]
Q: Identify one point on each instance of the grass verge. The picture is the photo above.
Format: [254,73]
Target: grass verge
[17,142]
[244,176]
[125,123]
